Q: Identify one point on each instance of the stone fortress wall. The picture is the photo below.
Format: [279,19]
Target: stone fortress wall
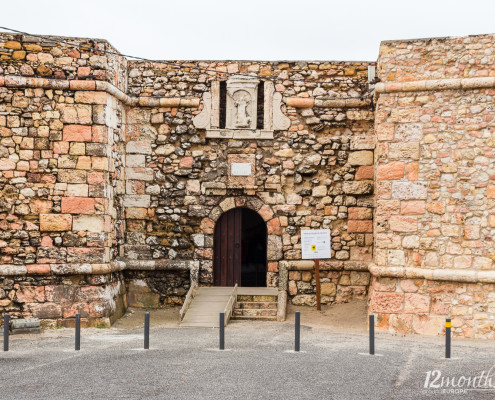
[435,209]
[111,189]
[62,164]
[114,173]
[316,173]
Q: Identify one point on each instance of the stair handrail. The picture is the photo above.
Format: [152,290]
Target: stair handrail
[230,304]
[188,300]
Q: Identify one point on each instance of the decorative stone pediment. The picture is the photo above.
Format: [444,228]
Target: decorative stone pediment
[244,118]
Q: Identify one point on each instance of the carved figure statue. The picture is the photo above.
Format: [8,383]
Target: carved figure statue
[241,102]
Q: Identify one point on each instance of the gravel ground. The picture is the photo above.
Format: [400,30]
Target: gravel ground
[258,363]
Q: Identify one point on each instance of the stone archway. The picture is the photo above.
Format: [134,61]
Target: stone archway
[274,230]
[240,244]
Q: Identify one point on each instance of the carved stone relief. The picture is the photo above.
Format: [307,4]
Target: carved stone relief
[241,102]
[280,121]
[242,114]
[202,120]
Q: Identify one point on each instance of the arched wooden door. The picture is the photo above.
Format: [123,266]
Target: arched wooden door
[240,249]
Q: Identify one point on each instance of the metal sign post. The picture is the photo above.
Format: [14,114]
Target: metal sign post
[315,245]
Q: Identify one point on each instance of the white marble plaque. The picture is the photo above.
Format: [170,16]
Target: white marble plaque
[240,169]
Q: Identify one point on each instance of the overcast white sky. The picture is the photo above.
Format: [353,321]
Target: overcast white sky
[251,29]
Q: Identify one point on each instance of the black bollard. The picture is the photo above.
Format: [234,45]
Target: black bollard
[222,331]
[78,331]
[372,334]
[297,341]
[6,332]
[447,337]
[146,330]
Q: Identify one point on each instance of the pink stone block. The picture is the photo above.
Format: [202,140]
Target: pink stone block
[390,171]
[408,286]
[30,294]
[400,323]
[78,205]
[387,302]
[77,133]
[61,147]
[83,71]
[412,171]
[273,227]
[428,325]
[416,207]
[99,134]
[403,224]
[436,207]
[46,241]
[360,213]
[365,172]
[362,254]
[89,97]
[416,303]
[463,262]
[354,226]
[38,269]
[186,162]
[207,226]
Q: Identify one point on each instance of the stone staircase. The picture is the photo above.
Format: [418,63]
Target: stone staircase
[256,303]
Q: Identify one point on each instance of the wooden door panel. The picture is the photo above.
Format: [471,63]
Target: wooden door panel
[237,247]
[230,247]
[225,254]
[227,249]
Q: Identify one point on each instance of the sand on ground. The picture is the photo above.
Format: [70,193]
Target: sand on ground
[346,317]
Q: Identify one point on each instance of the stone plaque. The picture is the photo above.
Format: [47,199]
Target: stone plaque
[240,169]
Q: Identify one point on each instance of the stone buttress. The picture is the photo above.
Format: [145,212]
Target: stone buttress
[435,199]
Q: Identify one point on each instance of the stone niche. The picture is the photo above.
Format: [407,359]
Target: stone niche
[240,107]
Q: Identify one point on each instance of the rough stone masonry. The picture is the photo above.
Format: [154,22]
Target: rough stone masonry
[114,173]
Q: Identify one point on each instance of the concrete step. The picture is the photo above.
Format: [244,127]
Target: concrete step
[212,298]
[257,318]
[257,298]
[257,304]
[252,303]
[254,313]
[257,291]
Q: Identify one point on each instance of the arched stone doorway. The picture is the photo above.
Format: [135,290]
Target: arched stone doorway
[240,249]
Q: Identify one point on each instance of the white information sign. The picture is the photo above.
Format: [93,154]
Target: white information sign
[315,244]
[240,169]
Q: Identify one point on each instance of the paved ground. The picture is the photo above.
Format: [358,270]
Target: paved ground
[184,363]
